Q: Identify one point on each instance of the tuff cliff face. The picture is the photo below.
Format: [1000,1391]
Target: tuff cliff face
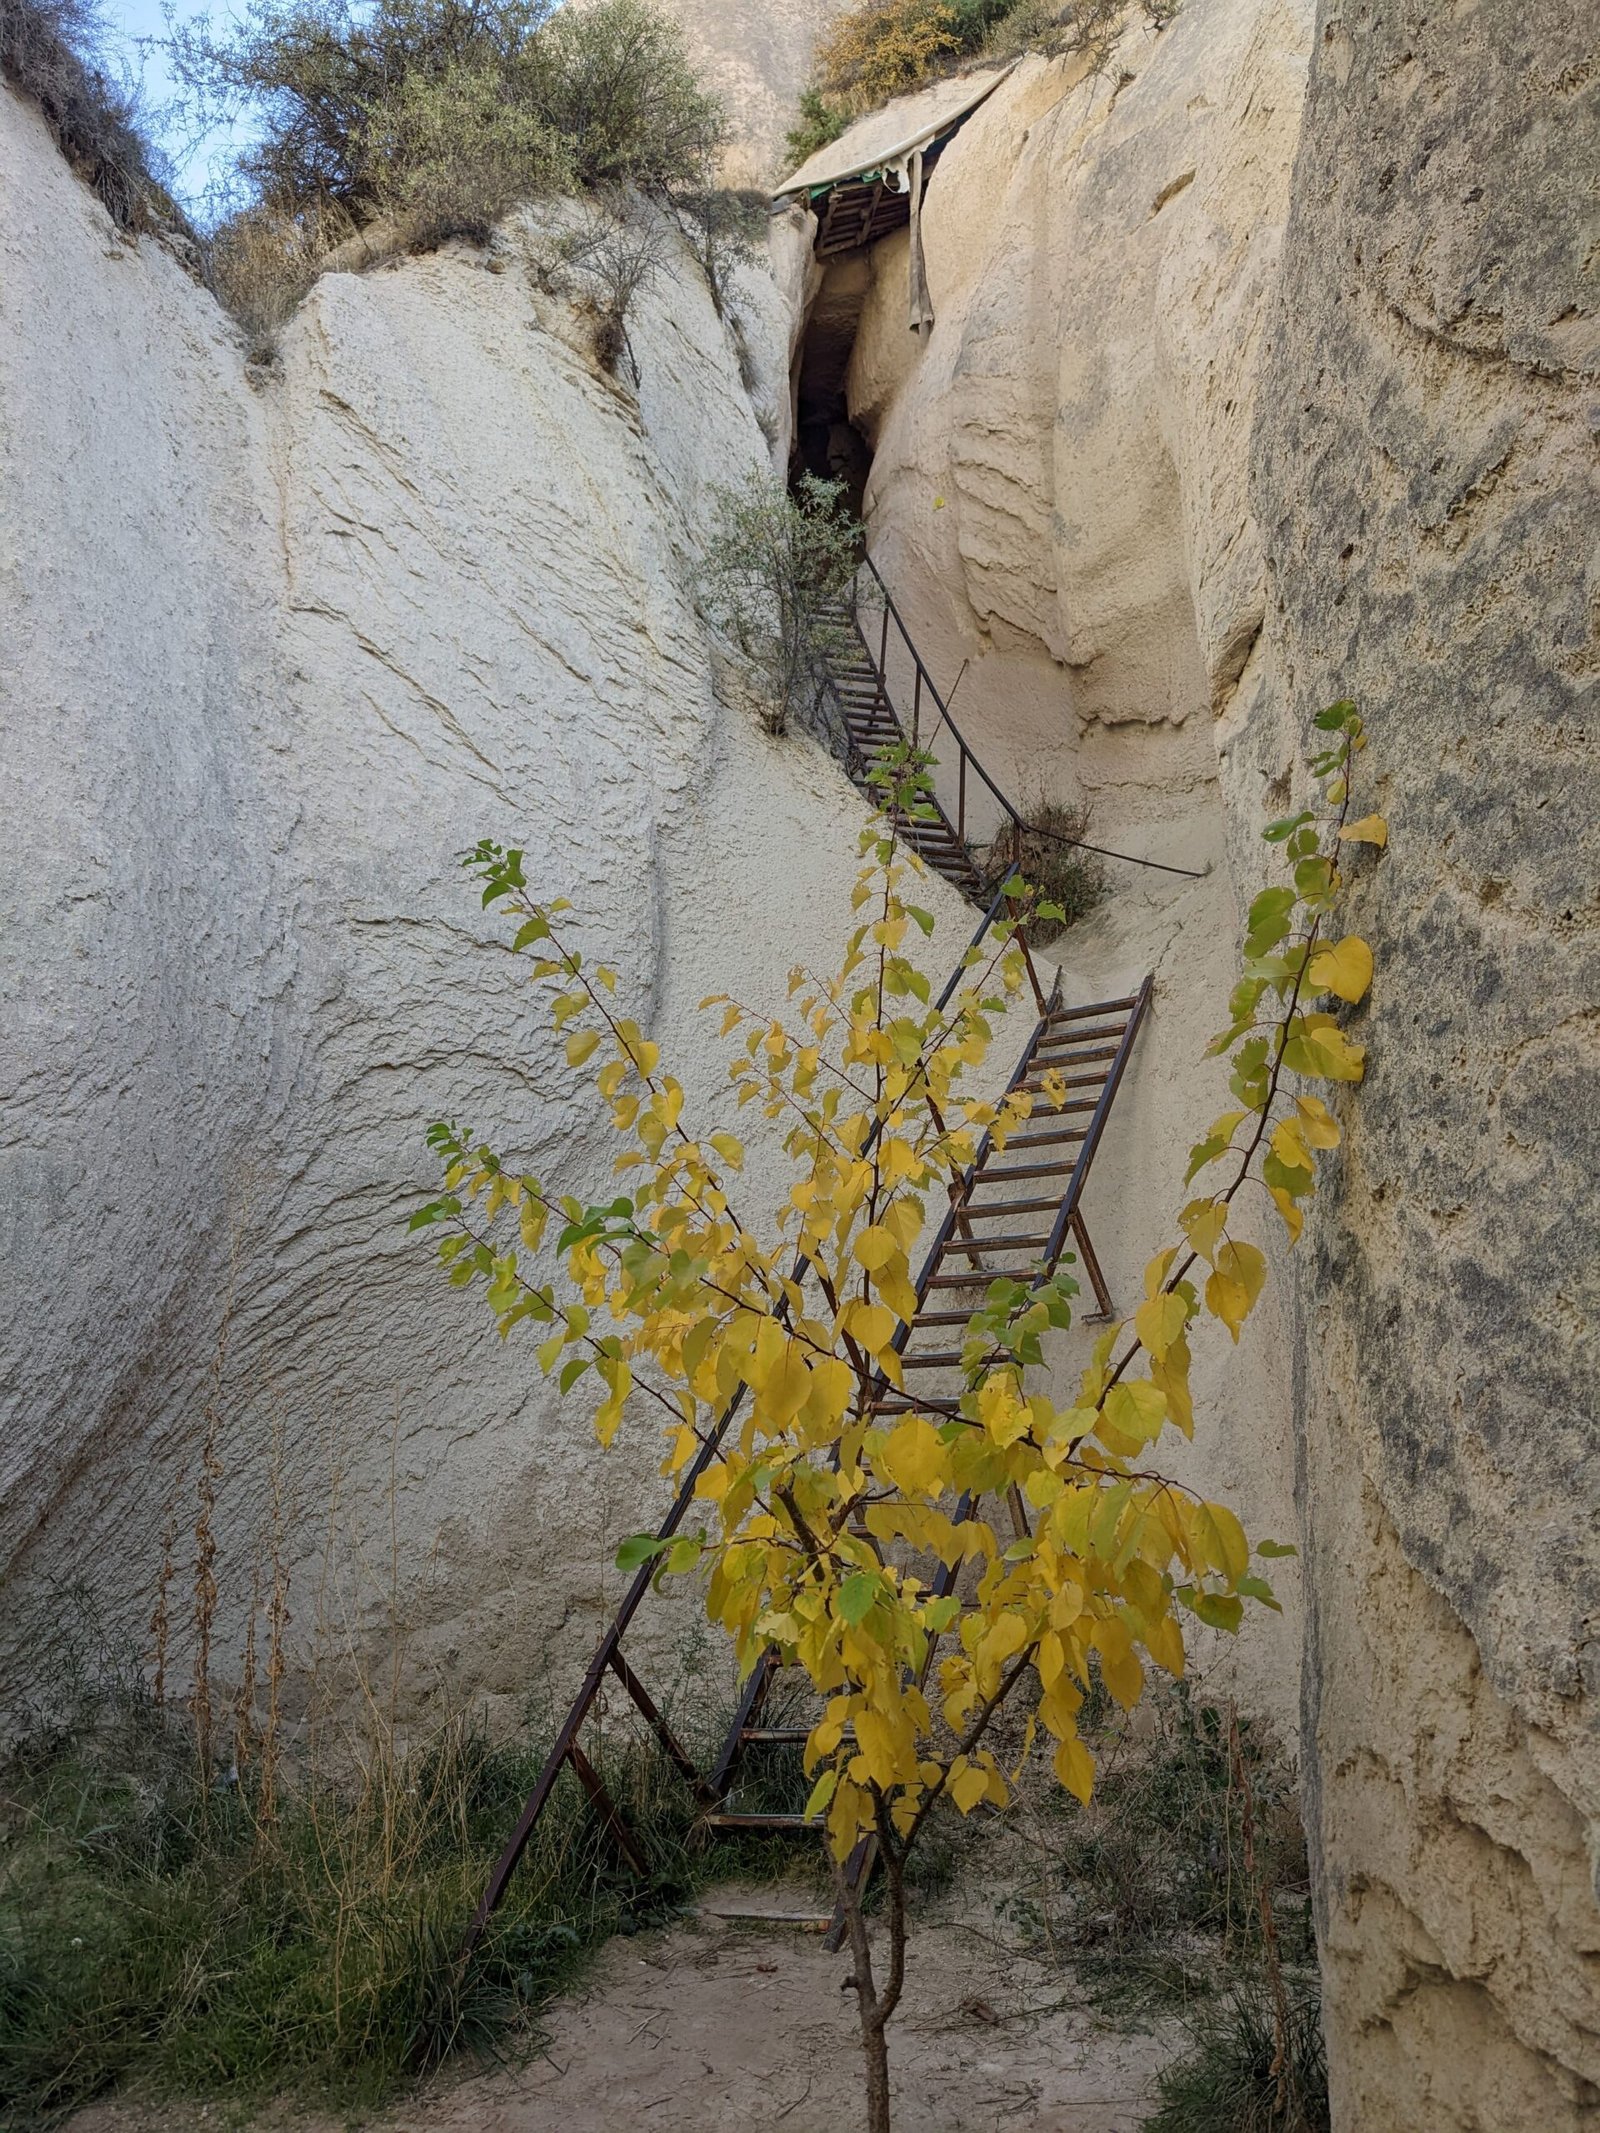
[1240,399]
[1424,478]
[277,655]
[755,56]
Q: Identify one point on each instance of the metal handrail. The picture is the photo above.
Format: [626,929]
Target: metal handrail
[1020,825]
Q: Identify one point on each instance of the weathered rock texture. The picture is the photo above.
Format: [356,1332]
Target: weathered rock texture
[275,657]
[756,55]
[1425,480]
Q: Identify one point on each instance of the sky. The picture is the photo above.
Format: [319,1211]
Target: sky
[130,23]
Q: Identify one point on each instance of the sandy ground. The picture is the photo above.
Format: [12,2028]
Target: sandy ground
[725,2025]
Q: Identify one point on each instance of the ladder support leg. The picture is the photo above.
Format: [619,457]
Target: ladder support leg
[1091,1266]
[605,1807]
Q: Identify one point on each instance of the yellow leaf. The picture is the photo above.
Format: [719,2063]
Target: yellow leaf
[968,1786]
[1371,829]
[580,1044]
[1318,1125]
[875,1248]
[1171,1378]
[1320,1048]
[1293,1220]
[1221,1537]
[1233,1288]
[1156,1272]
[1133,1414]
[1203,1222]
[786,1389]
[1159,1322]
[730,1149]
[1000,1411]
[1345,969]
[1075,1769]
[871,1325]
[899,1295]
[913,1458]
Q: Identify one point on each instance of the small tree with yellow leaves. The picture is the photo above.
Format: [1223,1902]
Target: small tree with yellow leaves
[857,1546]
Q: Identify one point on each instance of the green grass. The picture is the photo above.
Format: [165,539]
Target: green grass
[162,1932]
[1146,1894]
[1230,2080]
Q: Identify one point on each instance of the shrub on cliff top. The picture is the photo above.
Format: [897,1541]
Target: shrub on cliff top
[359,104]
[53,52]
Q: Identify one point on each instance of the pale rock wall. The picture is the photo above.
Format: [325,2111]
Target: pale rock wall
[277,653]
[755,55]
[1190,327]
[1425,479]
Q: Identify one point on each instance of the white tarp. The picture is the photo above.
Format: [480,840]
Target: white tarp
[890,136]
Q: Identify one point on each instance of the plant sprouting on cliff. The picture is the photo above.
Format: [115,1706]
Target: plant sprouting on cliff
[773,561]
[997,1548]
[54,52]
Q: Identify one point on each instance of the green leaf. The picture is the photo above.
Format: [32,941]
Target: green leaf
[572,1371]
[638,1549]
[1271,1549]
[1275,832]
[857,1595]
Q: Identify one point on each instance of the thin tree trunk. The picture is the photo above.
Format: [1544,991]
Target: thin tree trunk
[874,2007]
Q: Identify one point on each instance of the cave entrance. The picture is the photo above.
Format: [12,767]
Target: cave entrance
[865,186]
[826,442]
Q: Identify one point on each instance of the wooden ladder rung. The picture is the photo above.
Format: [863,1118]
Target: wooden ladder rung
[722,1820]
[980,1277]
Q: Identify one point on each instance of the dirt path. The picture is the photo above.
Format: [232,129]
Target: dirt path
[721,2026]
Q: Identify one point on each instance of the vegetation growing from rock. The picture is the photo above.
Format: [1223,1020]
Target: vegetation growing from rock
[774,557]
[422,120]
[285,1914]
[1050,851]
[54,52]
[826,1538]
[887,48]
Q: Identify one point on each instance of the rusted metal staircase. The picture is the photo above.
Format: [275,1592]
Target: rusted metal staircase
[1012,1215]
[859,681]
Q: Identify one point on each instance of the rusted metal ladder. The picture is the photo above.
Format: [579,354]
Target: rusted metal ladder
[859,681]
[1031,1192]
[1013,1214]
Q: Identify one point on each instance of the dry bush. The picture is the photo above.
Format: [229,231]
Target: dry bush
[618,248]
[348,97]
[723,229]
[448,157]
[887,48]
[263,262]
[433,118]
[53,52]
[882,50]
[1049,853]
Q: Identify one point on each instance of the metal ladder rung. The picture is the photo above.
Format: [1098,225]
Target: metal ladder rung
[1003,1208]
[1098,1007]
